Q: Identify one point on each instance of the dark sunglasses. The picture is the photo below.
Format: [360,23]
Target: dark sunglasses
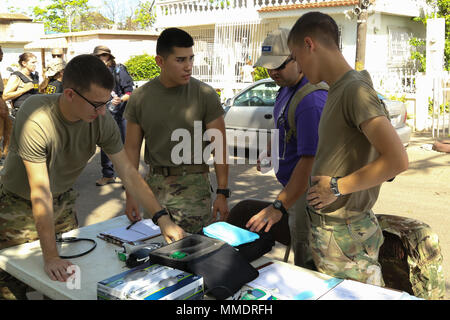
[284,64]
[56,55]
[95,105]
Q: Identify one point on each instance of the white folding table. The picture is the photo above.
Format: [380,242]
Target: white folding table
[26,264]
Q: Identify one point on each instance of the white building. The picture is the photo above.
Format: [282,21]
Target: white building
[225,35]
[19,34]
[16,30]
[123,44]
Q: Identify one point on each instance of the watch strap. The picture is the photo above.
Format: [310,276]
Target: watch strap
[158,215]
[334,186]
[277,204]
[225,192]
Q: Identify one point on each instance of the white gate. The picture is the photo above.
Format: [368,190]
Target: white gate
[222,50]
[440,125]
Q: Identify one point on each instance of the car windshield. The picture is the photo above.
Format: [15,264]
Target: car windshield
[263,94]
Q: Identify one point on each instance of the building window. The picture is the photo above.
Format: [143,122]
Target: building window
[399,47]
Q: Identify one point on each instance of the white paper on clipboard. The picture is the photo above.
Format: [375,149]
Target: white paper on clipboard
[141,230]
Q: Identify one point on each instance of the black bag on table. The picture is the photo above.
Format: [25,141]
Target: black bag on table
[224,269]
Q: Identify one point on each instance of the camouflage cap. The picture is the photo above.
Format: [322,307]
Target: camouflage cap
[55,65]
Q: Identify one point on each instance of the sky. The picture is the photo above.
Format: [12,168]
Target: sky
[4,4]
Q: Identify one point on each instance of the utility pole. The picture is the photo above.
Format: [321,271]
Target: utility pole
[361,32]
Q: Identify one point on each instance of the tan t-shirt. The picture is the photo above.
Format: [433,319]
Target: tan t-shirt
[42,134]
[160,110]
[343,148]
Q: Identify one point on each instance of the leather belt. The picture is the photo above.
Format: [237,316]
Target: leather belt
[179,170]
[320,219]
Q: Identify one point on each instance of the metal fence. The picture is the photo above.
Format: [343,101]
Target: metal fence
[398,81]
[440,119]
[221,50]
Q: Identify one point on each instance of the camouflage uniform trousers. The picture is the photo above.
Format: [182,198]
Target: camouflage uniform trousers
[349,251]
[187,198]
[17,226]
[423,255]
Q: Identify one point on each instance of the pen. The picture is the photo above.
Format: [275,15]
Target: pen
[131,224]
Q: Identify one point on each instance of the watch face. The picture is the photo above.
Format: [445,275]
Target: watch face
[277,204]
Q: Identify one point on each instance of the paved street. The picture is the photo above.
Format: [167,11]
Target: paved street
[423,193]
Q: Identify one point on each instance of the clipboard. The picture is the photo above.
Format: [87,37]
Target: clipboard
[140,231]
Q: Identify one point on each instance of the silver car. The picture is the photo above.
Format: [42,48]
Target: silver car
[249,116]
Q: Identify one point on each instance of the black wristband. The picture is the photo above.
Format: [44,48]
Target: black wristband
[277,204]
[158,215]
[225,192]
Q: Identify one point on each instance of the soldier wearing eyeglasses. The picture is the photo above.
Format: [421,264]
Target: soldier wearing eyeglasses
[297,143]
[54,136]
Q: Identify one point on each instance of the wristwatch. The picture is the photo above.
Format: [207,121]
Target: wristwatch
[225,192]
[158,215]
[277,204]
[334,186]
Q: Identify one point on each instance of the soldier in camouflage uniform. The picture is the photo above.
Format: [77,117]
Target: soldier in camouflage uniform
[17,226]
[358,150]
[185,197]
[54,136]
[411,257]
[171,106]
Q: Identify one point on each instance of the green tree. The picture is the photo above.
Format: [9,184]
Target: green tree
[260,73]
[442,10]
[142,67]
[94,21]
[144,15]
[61,15]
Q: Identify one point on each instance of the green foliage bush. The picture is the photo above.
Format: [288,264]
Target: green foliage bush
[142,67]
[395,98]
[260,73]
[443,108]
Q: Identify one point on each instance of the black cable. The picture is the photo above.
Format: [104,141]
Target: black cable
[74,239]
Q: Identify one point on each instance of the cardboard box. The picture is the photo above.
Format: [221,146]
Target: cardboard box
[151,282]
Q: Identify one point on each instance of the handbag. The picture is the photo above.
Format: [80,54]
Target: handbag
[223,268]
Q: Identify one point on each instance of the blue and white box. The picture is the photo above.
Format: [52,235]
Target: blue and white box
[151,282]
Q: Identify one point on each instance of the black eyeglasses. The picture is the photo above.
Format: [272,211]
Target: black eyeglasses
[284,64]
[95,105]
[56,55]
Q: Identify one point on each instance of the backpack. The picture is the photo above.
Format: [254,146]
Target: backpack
[298,97]
[411,258]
